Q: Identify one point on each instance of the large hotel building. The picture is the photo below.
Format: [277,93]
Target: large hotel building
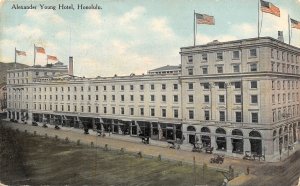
[235,96]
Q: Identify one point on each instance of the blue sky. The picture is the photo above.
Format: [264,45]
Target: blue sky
[128,36]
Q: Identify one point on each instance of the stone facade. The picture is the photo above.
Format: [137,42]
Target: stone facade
[236,97]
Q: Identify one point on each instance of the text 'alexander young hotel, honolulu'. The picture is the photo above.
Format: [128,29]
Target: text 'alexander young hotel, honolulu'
[234,96]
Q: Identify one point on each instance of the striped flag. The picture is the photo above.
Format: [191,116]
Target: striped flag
[205,19]
[40,50]
[54,58]
[295,24]
[20,53]
[268,7]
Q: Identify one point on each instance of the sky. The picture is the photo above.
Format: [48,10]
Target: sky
[130,36]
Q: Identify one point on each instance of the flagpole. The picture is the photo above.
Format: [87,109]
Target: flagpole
[194,30]
[289,28]
[47,59]
[258,18]
[15,57]
[33,54]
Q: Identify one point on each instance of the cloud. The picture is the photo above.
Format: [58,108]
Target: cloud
[93,17]
[132,15]
[23,32]
[245,30]
[161,27]
[44,17]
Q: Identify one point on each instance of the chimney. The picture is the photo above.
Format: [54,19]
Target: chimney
[280,36]
[71,65]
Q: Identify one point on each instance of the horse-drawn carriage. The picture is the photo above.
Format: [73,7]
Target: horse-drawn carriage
[217,159]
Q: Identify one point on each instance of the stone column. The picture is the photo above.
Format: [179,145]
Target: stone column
[29,120]
[247,146]
[228,145]
[213,140]
[151,129]
[20,117]
[159,131]
[229,102]
[213,102]
[15,115]
[7,115]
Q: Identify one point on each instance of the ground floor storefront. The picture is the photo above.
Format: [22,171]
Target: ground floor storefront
[268,144]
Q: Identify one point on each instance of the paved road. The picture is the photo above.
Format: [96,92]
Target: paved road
[135,146]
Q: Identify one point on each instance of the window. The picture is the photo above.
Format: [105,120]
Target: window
[222,115]
[221,98]
[131,98]
[220,69]
[97,109]
[122,87]
[122,98]
[152,112]
[204,57]
[254,117]
[191,98]
[253,67]
[152,98]
[97,97]
[190,59]
[254,99]
[238,116]
[131,87]
[89,97]
[191,114]
[221,85]
[152,86]
[75,89]
[204,70]
[175,98]
[89,108]
[253,84]
[205,86]
[141,87]
[163,98]
[113,97]
[141,97]
[104,97]
[89,88]
[97,88]
[191,86]
[206,98]
[253,52]
[219,56]
[163,113]
[175,86]
[113,88]
[104,110]
[175,113]
[206,115]
[238,99]
[81,88]
[236,54]
[236,68]
[122,110]
[237,85]
[163,86]
[190,71]
[142,111]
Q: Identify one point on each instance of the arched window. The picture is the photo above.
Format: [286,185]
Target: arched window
[237,132]
[280,131]
[220,131]
[254,134]
[191,128]
[274,133]
[205,129]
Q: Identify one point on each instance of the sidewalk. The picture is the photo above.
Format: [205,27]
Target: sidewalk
[135,145]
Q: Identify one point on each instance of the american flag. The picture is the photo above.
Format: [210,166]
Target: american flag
[295,24]
[40,50]
[20,53]
[52,57]
[268,7]
[205,19]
